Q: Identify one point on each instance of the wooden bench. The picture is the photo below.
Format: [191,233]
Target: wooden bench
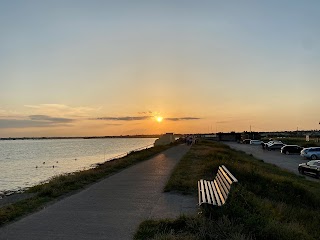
[216,192]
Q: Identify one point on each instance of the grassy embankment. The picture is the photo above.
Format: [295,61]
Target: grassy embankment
[62,185]
[267,203]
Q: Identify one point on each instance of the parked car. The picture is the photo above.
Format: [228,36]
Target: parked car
[271,142]
[274,141]
[255,142]
[246,141]
[289,149]
[311,153]
[274,146]
[310,167]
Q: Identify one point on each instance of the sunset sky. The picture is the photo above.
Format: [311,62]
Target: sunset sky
[81,68]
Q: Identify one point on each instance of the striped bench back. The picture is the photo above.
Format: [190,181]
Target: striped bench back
[216,192]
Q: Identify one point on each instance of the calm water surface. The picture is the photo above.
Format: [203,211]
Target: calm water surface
[25,163]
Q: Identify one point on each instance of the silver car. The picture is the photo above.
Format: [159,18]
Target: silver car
[311,153]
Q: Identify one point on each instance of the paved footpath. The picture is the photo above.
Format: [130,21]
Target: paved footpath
[112,208]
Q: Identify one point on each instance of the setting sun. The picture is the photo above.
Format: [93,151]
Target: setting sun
[159,119]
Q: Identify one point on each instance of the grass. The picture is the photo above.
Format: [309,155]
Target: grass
[267,203]
[63,185]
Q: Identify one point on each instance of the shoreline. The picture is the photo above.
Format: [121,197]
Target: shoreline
[16,204]
[13,197]
[14,183]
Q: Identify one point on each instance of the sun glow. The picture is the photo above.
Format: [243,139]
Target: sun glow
[159,119]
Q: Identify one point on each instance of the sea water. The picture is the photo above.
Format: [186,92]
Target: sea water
[25,163]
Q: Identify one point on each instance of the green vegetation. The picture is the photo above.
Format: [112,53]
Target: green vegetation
[61,185]
[267,203]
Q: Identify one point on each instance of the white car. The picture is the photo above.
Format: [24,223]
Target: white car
[273,142]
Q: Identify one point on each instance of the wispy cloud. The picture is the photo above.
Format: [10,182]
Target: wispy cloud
[50,119]
[182,119]
[34,121]
[62,110]
[47,105]
[128,118]
[146,112]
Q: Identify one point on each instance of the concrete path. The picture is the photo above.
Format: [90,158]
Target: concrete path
[112,208]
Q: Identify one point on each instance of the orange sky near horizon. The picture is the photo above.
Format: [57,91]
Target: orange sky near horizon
[80,122]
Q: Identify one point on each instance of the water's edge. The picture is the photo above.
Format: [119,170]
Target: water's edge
[27,163]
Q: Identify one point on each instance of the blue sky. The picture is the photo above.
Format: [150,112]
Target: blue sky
[238,62]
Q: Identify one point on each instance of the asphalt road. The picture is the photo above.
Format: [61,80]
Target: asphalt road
[288,162]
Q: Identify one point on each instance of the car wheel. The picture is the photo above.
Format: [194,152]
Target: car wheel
[301,171]
[313,157]
[287,152]
[318,175]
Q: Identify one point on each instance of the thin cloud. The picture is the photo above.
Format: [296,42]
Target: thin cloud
[50,119]
[61,106]
[182,119]
[135,118]
[61,110]
[146,112]
[34,121]
[16,123]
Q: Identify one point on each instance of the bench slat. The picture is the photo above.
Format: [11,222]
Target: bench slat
[219,193]
[216,195]
[227,185]
[226,176]
[207,191]
[225,182]
[221,186]
[211,194]
[199,192]
[202,192]
[230,175]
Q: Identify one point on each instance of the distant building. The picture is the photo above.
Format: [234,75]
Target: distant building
[231,137]
[250,135]
[165,139]
[213,137]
